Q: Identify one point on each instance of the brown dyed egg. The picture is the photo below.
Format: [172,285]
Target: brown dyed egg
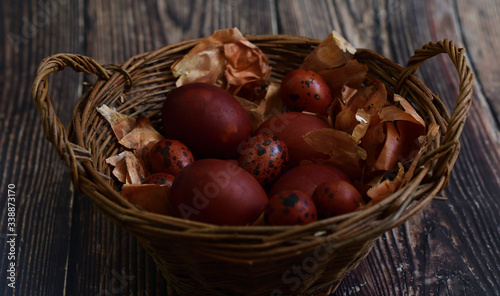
[218,192]
[305,90]
[169,156]
[265,157]
[336,197]
[306,178]
[290,207]
[291,127]
[150,197]
[159,179]
[210,121]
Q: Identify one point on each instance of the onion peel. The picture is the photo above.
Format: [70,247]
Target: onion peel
[128,168]
[389,154]
[121,124]
[270,105]
[334,51]
[353,73]
[385,188]
[340,146]
[150,197]
[142,138]
[225,59]
[361,128]
[245,64]
[138,137]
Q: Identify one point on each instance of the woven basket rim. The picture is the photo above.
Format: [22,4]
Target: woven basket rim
[127,213]
[188,251]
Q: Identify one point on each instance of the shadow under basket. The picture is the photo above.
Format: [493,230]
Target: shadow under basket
[203,259]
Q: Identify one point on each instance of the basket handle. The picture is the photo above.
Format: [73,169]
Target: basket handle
[52,126]
[462,105]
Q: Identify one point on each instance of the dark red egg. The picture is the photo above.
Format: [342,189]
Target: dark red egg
[218,192]
[290,207]
[159,179]
[264,157]
[210,121]
[150,197]
[305,90]
[169,156]
[336,197]
[291,127]
[306,178]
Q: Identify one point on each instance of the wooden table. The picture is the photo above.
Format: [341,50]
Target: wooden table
[64,246]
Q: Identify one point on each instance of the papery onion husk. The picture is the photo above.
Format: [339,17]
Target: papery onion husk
[386,187]
[205,62]
[269,106]
[245,65]
[342,148]
[363,118]
[375,97]
[128,168]
[121,124]
[372,142]
[142,138]
[409,109]
[413,142]
[383,189]
[353,73]
[150,197]
[120,166]
[334,51]
[370,99]
[225,59]
[390,153]
[138,137]
[339,104]
[409,126]
[345,120]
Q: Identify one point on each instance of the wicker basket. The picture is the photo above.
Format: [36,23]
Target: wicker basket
[203,259]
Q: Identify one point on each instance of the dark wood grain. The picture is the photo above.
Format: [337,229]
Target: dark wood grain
[116,35]
[429,245]
[66,247]
[43,192]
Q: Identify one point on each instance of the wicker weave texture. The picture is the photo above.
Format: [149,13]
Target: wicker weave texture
[202,259]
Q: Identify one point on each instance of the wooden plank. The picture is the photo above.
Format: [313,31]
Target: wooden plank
[101,252]
[423,256]
[118,31]
[432,244]
[43,195]
[478,23]
[65,245]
